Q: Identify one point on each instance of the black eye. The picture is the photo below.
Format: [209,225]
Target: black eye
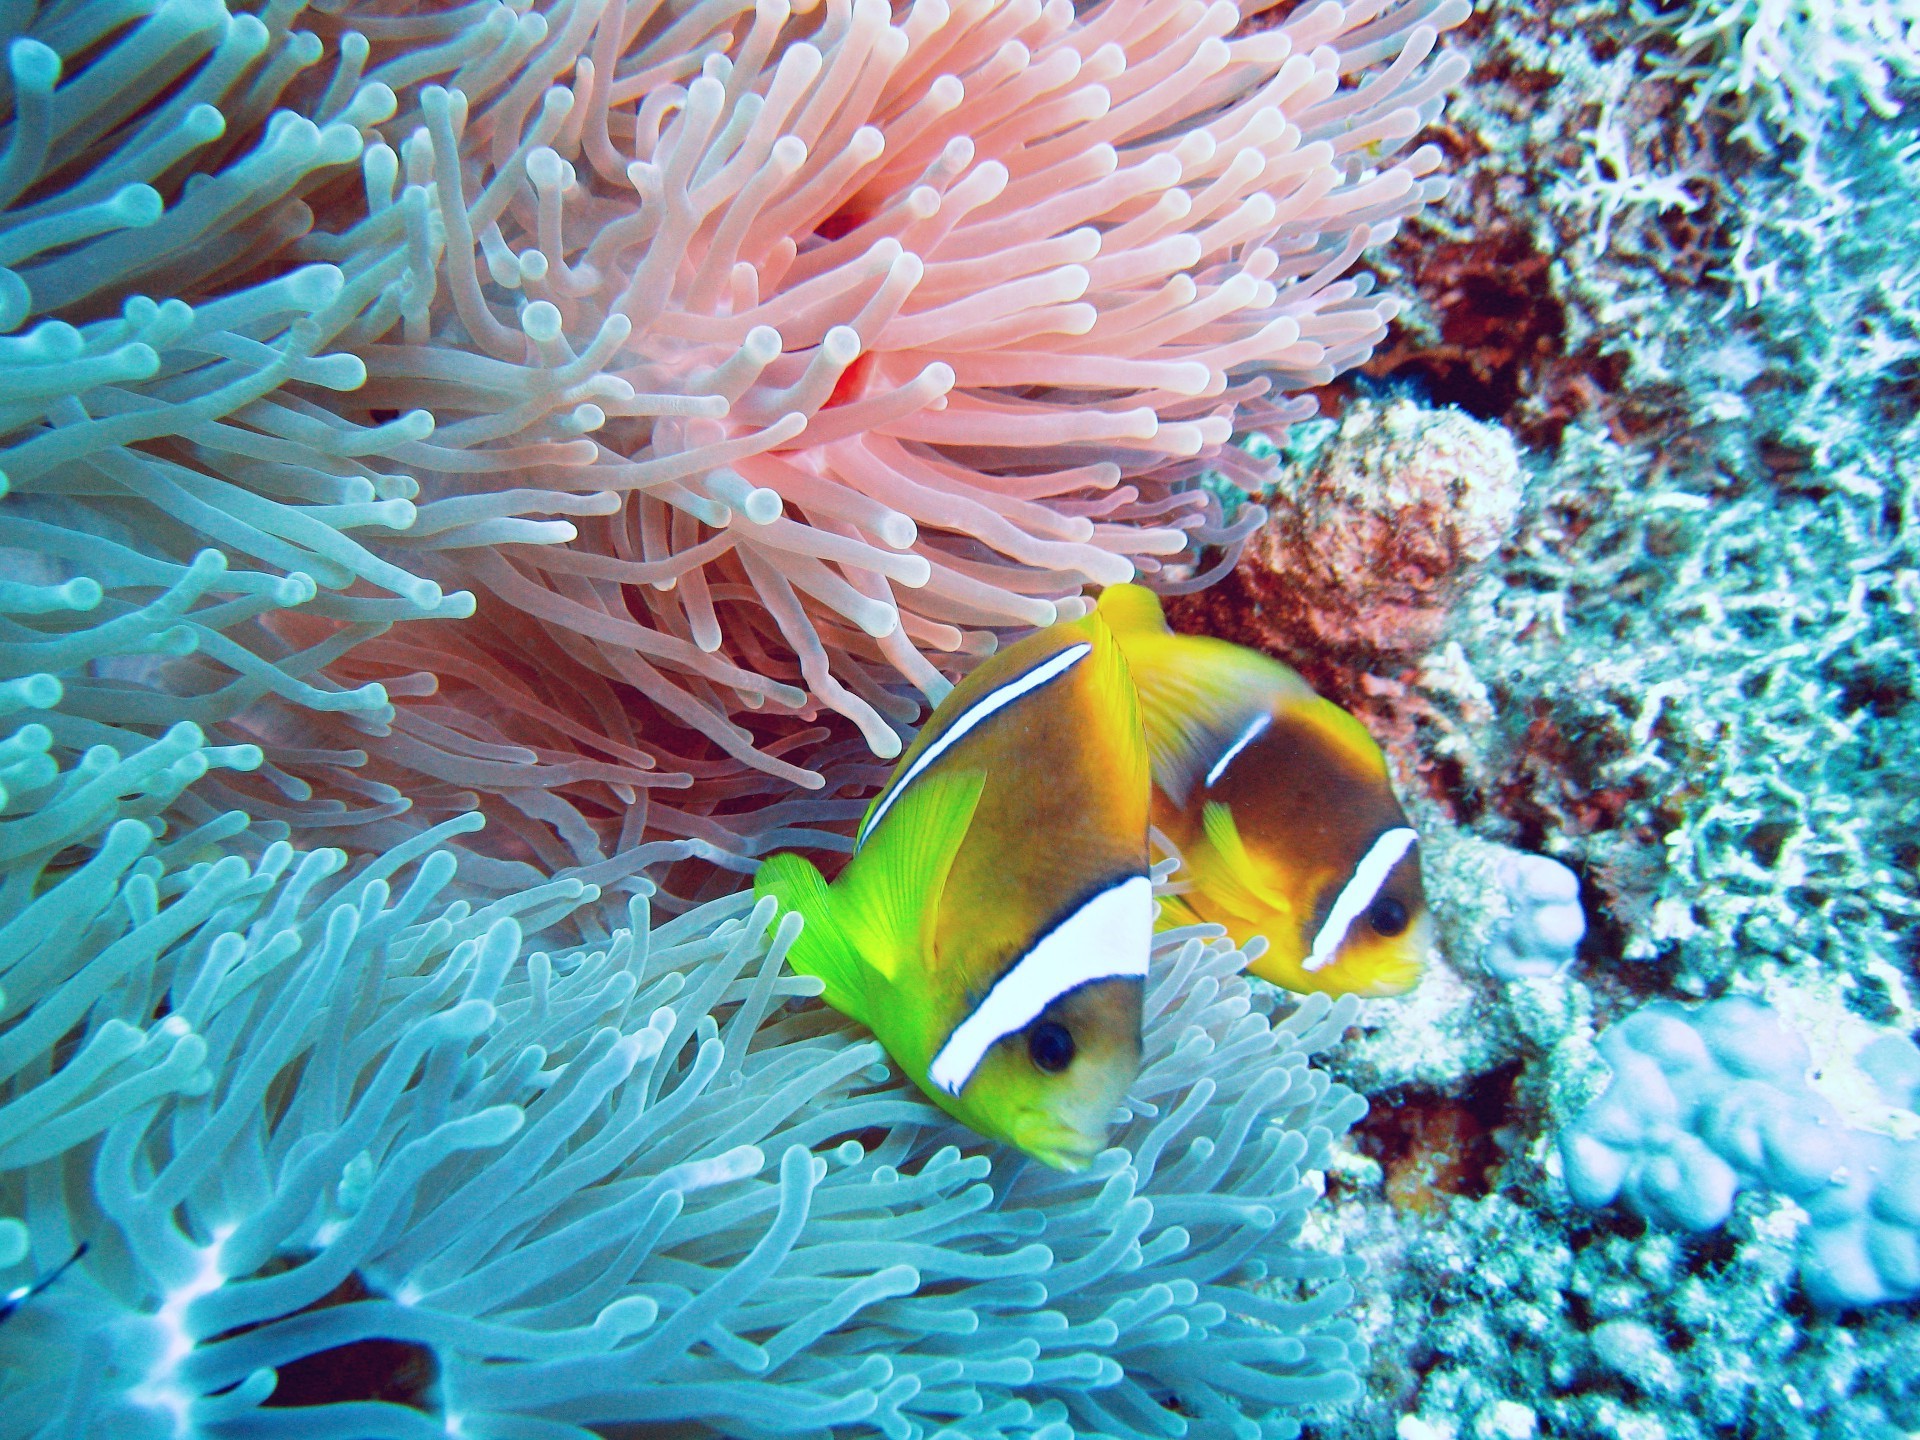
[1387,915]
[1050,1046]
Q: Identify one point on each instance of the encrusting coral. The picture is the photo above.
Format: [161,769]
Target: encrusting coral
[1701,1105]
[746,363]
[1370,544]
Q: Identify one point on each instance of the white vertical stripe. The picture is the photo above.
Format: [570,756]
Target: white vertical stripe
[1247,736]
[1368,876]
[993,700]
[1107,938]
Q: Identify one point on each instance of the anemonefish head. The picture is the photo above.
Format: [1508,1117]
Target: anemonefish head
[1052,1088]
[1046,1055]
[1360,928]
[1329,847]
[1042,1059]
[1368,933]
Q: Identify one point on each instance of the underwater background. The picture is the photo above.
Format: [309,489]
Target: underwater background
[478,477]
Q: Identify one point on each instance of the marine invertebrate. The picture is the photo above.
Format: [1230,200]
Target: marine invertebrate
[1366,554]
[1687,678]
[161,509]
[963,281]
[1543,924]
[1522,1316]
[722,1209]
[1702,1105]
[848,441]
[1792,67]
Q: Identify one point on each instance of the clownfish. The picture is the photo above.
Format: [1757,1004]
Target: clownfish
[1281,808]
[993,926]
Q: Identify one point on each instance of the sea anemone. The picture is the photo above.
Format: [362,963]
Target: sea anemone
[746,362]
[377,1168]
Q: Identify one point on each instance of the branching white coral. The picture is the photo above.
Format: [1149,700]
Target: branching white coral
[1796,63]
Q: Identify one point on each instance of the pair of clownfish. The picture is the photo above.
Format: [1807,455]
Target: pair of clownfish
[993,926]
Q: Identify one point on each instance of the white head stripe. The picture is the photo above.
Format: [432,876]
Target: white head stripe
[1107,938]
[1368,876]
[1247,736]
[1056,664]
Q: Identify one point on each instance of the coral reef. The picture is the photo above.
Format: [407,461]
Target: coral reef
[1703,1105]
[1688,678]
[616,421]
[1792,70]
[1568,1328]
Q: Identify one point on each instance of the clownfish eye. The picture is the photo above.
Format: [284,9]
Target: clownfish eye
[1050,1046]
[1387,915]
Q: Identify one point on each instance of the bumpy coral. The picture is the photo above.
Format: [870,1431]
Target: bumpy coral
[1701,1105]
[382,1168]
[747,363]
[1543,925]
[1370,548]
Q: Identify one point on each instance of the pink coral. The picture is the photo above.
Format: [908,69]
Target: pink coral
[1369,550]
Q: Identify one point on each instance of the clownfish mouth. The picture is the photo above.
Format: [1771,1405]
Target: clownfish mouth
[1060,1146]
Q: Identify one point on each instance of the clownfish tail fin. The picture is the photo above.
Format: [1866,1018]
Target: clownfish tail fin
[823,947]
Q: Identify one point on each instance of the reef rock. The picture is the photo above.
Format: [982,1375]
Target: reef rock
[1367,550]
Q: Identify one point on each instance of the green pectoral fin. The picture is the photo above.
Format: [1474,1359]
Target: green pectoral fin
[1237,882]
[889,895]
[823,948]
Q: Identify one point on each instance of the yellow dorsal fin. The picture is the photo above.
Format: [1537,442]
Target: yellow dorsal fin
[1238,883]
[1132,611]
[887,899]
[1347,737]
[1198,695]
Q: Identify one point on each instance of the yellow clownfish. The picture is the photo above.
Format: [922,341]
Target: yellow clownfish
[1281,808]
[993,926]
